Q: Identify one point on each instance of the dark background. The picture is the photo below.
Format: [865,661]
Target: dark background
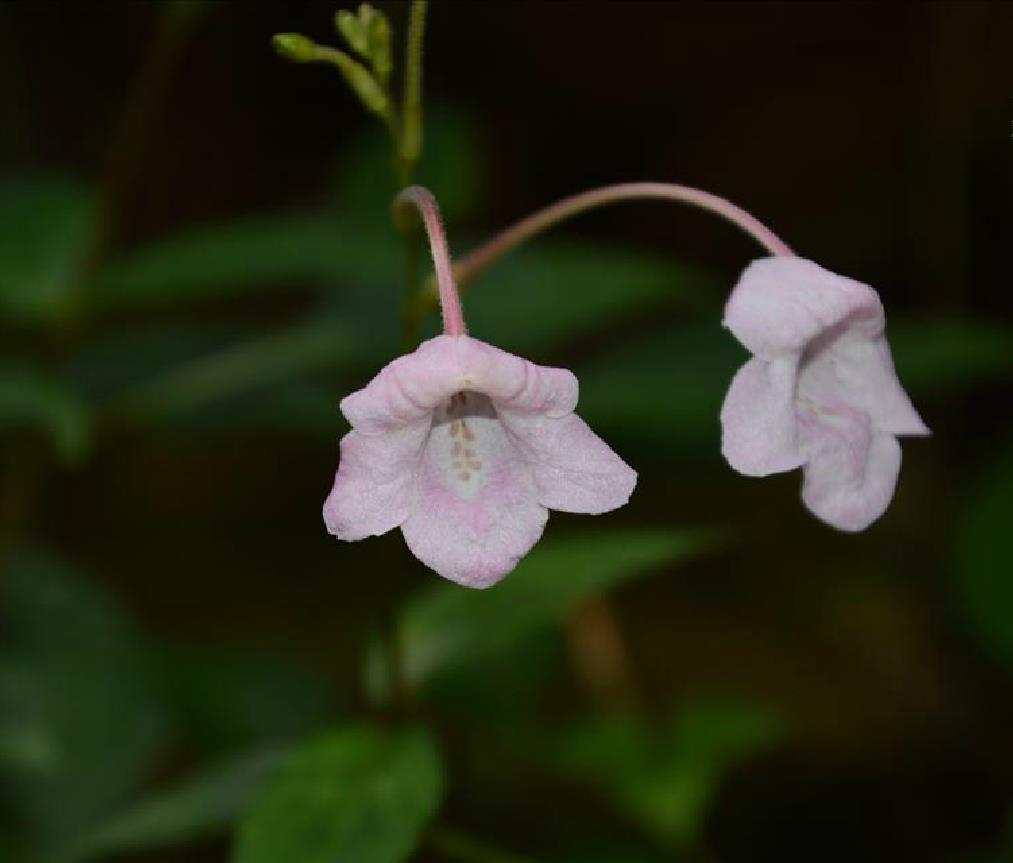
[874,137]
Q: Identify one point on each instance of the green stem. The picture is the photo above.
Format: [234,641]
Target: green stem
[411,111]
[408,149]
[457,845]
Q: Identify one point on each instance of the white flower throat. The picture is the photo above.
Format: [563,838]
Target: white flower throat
[466,441]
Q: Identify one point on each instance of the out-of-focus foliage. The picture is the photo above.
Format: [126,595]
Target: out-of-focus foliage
[665,776]
[943,355]
[46,226]
[446,626]
[237,369]
[226,700]
[665,388]
[82,721]
[555,292]
[202,805]
[267,253]
[453,167]
[354,794]
[31,399]
[984,560]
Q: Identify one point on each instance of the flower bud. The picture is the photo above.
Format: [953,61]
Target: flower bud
[379,46]
[353,32]
[295,47]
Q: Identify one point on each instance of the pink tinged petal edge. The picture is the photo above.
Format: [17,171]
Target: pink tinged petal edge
[850,477]
[781,303]
[374,486]
[759,428]
[411,386]
[861,371]
[475,542]
[574,469]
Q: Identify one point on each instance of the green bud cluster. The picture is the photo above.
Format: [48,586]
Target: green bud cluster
[367,66]
[367,34]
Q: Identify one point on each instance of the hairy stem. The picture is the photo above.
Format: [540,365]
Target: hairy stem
[422,200]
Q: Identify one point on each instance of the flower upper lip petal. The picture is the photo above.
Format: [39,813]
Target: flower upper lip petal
[781,304]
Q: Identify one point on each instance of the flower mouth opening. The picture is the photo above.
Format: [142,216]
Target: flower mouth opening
[466,423]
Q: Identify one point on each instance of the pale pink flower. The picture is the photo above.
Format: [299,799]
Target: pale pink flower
[465,448]
[819,393]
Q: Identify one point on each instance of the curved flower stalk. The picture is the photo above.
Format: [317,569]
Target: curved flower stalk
[466,447]
[820,392]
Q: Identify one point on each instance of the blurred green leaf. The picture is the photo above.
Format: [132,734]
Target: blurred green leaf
[30,399]
[75,684]
[453,167]
[356,794]
[269,252]
[236,369]
[454,164]
[448,625]
[115,358]
[200,806]
[666,777]
[947,354]
[499,691]
[984,559]
[664,389]
[225,699]
[46,227]
[551,292]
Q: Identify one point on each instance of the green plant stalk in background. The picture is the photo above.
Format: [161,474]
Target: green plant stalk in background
[368,34]
[409,152]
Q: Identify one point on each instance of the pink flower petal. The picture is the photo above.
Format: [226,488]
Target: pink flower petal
[852,469]
[573,468]
[476,512]
[413,385]
[860,371]
[759,430]
[374,488]
[780,304]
